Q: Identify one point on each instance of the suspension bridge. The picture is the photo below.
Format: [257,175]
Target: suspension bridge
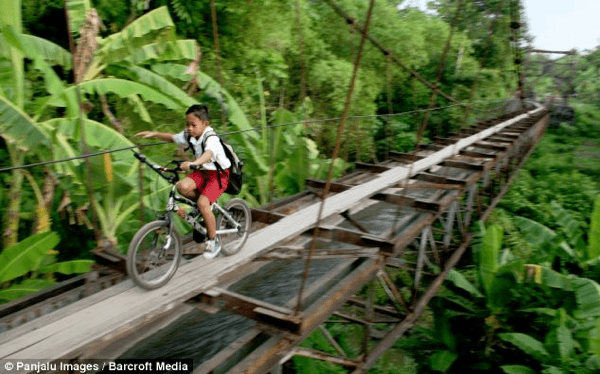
[433,194]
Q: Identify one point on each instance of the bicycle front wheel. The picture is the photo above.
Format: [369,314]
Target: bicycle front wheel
[239,212]
[153,255]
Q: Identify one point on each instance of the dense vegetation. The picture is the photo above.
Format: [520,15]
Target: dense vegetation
[279,62]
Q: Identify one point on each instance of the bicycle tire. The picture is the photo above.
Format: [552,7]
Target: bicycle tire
[239,211]
[156,265]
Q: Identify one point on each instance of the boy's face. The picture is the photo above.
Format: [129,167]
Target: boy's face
[194,125]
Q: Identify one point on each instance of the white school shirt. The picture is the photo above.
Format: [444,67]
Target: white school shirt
[212,144]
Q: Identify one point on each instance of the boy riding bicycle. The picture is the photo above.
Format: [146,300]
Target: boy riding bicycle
[206,185]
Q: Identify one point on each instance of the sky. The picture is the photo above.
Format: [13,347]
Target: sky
[558,24]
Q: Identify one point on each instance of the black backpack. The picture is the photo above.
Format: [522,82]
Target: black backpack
[235,171]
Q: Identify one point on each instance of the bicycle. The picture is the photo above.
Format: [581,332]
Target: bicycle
[156,249]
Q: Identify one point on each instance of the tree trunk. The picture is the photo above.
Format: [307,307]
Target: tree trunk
[10,236]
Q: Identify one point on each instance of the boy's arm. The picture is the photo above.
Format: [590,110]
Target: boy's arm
[154,134]
[205,157]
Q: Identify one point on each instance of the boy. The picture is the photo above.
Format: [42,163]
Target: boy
[203,185]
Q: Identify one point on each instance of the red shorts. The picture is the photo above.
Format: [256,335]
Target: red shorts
[208,184]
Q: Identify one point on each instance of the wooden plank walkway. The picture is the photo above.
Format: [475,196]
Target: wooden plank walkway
[96,324]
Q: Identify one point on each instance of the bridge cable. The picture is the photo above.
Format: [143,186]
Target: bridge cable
[484,58]
[335,152]
[396,59]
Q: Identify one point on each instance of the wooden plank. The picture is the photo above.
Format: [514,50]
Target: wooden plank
[121,313]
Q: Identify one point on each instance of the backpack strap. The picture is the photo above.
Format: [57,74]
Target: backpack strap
[187,141]
[217,165]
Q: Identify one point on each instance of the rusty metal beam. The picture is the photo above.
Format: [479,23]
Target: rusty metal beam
[404,157]
[412,317]
[433,178]
[313,184]
[479,154]
[494,147]
[260,311]
[264,216]
[378,309]
[353,237]
[268,354]
[292,253]
[311,353]
[462,165]
[372,168]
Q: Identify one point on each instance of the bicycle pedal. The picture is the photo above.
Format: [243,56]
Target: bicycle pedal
[198,236]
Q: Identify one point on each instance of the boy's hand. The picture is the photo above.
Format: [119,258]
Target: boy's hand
[146,134]
[185,166]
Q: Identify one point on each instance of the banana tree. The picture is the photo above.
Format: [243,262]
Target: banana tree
[571,342]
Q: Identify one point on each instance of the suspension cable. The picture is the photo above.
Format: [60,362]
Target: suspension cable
[335,152]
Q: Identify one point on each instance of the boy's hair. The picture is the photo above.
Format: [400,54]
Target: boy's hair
[200,111]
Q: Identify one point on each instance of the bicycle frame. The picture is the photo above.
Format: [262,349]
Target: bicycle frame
[175,197]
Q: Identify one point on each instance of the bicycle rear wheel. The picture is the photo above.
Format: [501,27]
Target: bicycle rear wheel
[153,255]
[231,243]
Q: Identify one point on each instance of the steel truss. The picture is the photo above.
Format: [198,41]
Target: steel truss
[423,246]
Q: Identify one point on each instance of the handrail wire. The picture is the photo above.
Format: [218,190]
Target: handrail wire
[335,152]
[224,134]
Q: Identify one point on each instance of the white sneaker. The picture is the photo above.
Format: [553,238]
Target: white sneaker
[213,247]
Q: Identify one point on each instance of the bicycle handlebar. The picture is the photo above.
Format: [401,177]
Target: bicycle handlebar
[161,170]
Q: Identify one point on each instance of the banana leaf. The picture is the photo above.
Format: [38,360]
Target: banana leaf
[488,257]
[29,47]
[28,286]
[52,53]
[461,282]
[120,87]
[442,361]
[569,225]
[137,34]
[77,10]
[526,343]
[169,51]
[587,294]
[517,369]
[21,258]
[534,232]
[593,248]
[560,339]
[16,127]
[165,87]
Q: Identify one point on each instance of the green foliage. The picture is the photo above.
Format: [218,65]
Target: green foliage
[33,255]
